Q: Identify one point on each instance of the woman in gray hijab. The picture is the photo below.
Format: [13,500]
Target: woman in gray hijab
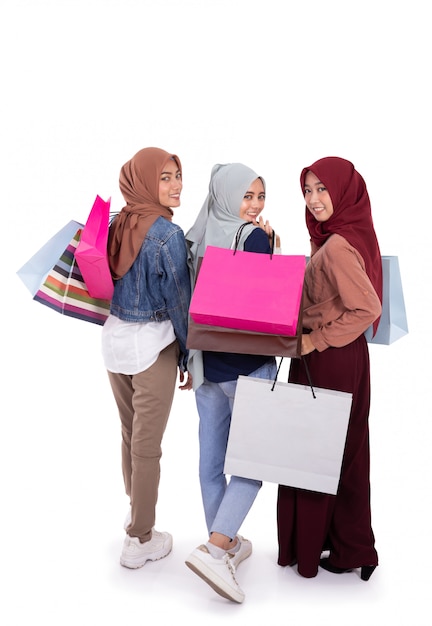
[231,212]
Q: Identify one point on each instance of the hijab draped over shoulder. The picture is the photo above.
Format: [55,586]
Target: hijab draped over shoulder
[139,184]
[218,220]
[352,216]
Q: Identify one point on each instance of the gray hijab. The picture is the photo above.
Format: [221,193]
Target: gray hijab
[218,220]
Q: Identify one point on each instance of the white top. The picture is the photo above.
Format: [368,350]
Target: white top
[132,347]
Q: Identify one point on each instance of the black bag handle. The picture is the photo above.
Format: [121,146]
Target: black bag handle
[308,377]
[112,216]
[238,235]
[307,374]
[277,374]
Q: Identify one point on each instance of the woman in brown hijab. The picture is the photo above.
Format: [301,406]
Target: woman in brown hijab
[144,338]
[342,298]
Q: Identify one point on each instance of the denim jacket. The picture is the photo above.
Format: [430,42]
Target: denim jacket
[157,287]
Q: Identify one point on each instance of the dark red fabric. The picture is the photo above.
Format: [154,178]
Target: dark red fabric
[352,217]
[309,522]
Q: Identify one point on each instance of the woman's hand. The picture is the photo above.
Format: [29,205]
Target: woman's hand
[265,225]
[188,383]
[307,345]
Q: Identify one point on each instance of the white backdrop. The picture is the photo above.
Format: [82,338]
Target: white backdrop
[275,84]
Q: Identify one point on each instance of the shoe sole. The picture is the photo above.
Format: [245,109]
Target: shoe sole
[213,580]
[138,562]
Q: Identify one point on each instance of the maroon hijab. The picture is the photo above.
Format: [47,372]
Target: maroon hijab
[139,184]
[352,217]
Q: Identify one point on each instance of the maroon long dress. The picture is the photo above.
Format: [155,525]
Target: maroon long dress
[309,522]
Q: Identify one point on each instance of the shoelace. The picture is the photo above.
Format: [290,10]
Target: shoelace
[231,566]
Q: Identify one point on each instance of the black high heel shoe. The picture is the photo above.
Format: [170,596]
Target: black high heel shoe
[366,571]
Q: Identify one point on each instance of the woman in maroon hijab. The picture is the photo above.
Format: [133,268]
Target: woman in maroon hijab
[342,298]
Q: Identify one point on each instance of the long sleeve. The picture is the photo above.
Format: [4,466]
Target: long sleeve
[340,302]
[176,287]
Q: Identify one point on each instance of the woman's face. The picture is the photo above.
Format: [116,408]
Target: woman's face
[318,201]
[170,185]
[253,201]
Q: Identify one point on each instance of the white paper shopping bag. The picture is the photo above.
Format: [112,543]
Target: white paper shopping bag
[281,433]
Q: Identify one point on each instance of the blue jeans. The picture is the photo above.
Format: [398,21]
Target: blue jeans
[226,504]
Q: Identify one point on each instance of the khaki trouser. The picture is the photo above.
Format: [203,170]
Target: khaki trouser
[144,402]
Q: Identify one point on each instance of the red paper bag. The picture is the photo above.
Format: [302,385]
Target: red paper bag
[91,253]
[249,291]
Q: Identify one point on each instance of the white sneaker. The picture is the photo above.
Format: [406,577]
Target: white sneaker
[135,554]
[242,553]
[218,573]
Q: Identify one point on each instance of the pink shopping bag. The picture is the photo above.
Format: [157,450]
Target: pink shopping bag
[91,253]
[249,291]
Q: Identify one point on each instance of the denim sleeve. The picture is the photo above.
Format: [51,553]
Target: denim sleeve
[176,287]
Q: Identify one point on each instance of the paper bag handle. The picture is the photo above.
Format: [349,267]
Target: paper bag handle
[238,235]
[307,374]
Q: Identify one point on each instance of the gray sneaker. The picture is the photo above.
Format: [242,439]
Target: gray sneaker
[218,573]
[135,554]
[242,553]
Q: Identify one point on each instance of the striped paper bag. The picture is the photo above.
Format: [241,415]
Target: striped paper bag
[65,291]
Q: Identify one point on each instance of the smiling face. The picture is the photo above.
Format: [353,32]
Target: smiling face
[170,185]
[253,201]
[318,201]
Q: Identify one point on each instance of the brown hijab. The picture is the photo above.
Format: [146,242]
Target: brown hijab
[352,216]
[139,184]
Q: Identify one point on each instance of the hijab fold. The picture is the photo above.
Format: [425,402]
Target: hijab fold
[139,184]
[352,216]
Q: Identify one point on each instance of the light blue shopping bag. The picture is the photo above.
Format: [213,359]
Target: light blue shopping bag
[34,272]
[393,323]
